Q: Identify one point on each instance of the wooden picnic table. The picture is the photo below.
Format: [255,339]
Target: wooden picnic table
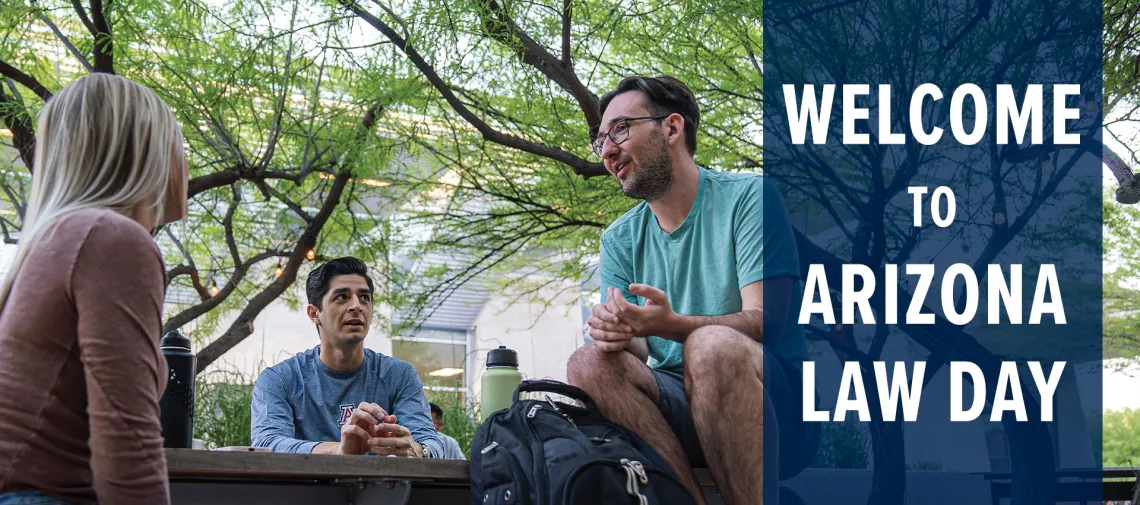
[256,478]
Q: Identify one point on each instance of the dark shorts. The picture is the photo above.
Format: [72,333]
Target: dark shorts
[797,440]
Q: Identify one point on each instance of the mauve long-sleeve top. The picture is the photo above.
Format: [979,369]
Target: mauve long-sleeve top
[81,371]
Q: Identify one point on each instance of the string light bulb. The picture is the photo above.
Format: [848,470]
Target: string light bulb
[279,272]
[214,290]
[999,218]
[312,254]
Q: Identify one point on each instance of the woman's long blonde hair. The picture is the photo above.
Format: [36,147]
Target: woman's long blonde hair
[103,141]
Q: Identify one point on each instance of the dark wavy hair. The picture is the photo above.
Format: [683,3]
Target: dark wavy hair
[667,95]
[321,277]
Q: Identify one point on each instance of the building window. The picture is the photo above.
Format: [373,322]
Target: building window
[439,356]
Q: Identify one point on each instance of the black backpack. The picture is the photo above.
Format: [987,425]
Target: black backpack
[548,452]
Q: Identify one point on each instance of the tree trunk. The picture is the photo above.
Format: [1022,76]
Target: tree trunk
[888,484]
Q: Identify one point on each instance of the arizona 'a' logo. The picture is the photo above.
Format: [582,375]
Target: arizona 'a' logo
[345,413]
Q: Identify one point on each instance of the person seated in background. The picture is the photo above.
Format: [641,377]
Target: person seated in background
[451,448]
[81,372]
[340,397]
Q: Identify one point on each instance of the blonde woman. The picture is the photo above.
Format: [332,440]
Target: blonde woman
[80,307]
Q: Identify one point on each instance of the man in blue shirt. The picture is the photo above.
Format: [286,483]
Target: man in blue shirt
[451,449]
[340,397]
[695,346]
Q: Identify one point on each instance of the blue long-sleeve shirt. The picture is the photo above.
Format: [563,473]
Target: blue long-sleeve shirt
[300,402]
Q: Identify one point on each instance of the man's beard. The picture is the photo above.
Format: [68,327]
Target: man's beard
[654,172]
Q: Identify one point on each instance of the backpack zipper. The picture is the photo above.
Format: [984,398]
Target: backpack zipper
[515,471]
[635,478]
[539,456]
[560,412]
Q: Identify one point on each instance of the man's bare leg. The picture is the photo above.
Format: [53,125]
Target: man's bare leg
[724,382]
[626,393]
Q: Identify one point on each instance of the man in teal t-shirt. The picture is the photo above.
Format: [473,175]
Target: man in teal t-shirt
[695,327]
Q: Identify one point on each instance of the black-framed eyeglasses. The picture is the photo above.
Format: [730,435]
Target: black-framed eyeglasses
[619,132]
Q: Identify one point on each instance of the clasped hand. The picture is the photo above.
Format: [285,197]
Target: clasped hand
[370,428]
[615,323]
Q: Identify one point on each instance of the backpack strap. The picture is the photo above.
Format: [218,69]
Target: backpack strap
[550,386]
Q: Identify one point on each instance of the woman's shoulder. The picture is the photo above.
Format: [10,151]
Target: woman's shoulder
[105,231]
[97,244]
[99,239]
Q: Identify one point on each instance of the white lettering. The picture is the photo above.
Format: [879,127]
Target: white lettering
[924,138]
[918,192]
[851,113]
[1061,113]
[1047,388]
[886,137]
[957,371]
[810,413]
[852,382]
[1008,380]
[1000,292]
[980,114]
[948,297]
[819,121]
[925,275]
[1047,280]
[809,110]
[911,391]
[816,282]
[862,298]
[1007,112]
[943,219]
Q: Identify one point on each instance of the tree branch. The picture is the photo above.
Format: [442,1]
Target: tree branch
[16,118]
[207,182]
[15,197]
[195,280]
[279,109]
[66,42]
[243,325]
[7,237]
[235,173]
[83,16]
[179,271]
[104,45]
[228,226]
[498,24]
[28,81]
[567,63]
[269,192]
[580,166]
[182,318]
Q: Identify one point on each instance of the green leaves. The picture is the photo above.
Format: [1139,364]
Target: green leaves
[1121,290]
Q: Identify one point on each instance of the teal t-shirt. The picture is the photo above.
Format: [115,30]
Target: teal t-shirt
[737,233]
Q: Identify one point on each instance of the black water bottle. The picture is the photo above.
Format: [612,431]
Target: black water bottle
[176,407]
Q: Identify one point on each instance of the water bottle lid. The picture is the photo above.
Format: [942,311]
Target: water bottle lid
[175,339]
[503,357]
